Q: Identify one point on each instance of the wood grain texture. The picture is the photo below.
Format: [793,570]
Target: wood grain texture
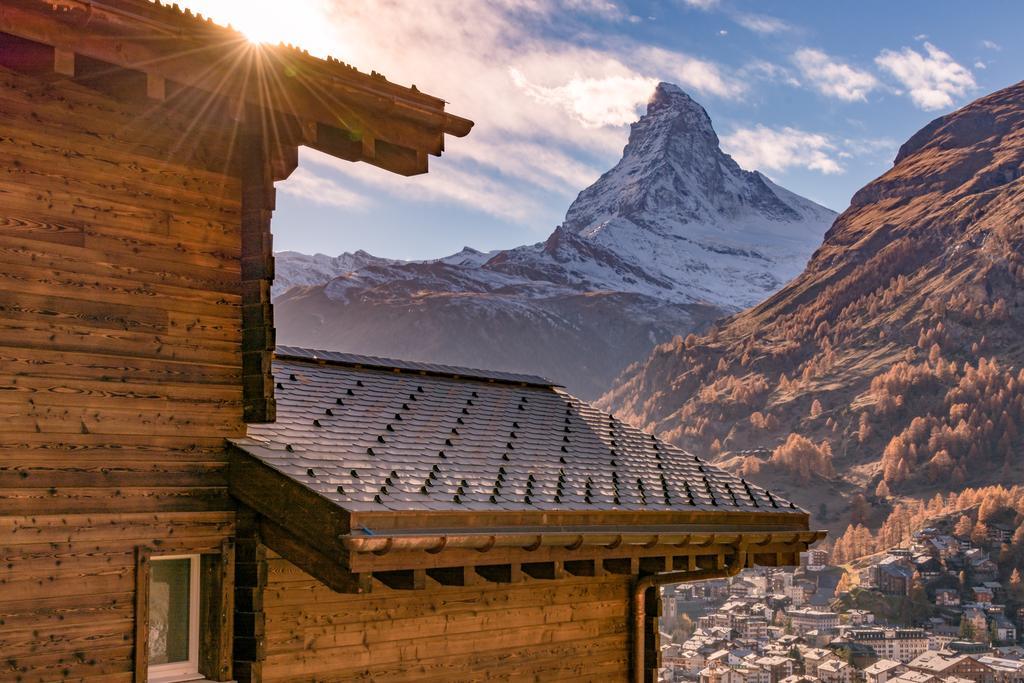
[120,373]
[544,630]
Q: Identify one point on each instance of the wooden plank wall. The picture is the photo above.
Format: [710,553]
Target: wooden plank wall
[120,364]
[538,630]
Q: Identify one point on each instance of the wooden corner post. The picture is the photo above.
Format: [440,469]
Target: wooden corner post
[249,647]
[257,276]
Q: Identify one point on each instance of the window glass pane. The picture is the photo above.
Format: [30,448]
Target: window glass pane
[169,611]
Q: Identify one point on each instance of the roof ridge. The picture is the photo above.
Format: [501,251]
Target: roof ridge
[393,364]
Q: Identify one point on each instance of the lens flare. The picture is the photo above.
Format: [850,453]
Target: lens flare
[304,23]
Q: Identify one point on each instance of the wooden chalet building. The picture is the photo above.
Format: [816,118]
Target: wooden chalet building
[176,503]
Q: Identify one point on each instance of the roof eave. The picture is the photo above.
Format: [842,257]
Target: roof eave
[324,104]
[337,547]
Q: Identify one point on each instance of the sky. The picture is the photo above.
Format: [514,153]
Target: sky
[816,95]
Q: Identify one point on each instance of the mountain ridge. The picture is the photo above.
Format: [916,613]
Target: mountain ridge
[673,236]
[892,365]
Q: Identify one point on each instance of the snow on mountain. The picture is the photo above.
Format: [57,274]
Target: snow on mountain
[898,347]
[294,269]
[468,257]
[673,236]
[682,221]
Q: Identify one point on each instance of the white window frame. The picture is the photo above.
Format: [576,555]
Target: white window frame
[175,672]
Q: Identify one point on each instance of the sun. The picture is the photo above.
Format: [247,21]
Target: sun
[259,30]
[304,23]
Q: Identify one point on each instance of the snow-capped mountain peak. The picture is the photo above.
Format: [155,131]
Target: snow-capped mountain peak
[684,213]
[671,237]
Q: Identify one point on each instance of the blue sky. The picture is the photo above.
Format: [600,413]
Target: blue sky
[817,95]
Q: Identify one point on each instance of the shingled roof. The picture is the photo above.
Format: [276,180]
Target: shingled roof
[377,466]
[373,434]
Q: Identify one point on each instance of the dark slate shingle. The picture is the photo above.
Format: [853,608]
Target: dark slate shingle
[358,432]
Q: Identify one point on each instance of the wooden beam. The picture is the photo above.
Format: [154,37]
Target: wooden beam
[143,566]
[399,159]
[369,151]
[64,62]
[345,144]
[729,524]
[326,569]
[156,87]
[307,517]
[284,161]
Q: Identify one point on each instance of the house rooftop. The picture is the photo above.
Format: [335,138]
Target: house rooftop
[413,367]
[881,666]
[936,661]
[913,677]
[374,461]
[374,434]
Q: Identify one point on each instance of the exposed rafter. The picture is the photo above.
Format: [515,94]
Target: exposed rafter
[152,50]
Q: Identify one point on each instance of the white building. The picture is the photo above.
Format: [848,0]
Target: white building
[900,644]
[808,619]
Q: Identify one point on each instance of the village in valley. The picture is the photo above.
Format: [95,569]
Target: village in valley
[947,606]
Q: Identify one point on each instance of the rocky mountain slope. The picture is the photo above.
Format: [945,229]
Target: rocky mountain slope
[892,366]
[675,235]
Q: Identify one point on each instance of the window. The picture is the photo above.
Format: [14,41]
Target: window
[173,630]
[184,614]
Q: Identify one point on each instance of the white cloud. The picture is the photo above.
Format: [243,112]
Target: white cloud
[834,78]
[602,8]
[619,87]
[980,65]
[445,183]
[991,45]
[723,32]
[499,63]
[932,78]
[594,102]
[778,149]
[869,147]
[537,164]
[306,185]
[702,4]
[768,71]
[761,23]
[701,75]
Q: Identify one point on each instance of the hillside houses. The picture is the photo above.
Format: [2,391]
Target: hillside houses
[956,576]
[968,637]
